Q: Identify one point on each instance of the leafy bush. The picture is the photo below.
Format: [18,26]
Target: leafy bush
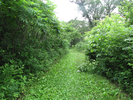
[80,46]
[88,66]
[126,10]
[12,80]
[72,35]
[31,38]
[110,44]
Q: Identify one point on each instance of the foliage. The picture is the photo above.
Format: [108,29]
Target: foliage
[73,35]
[82,26]
[80,46]
[110,43]
[126,9]
[96,10]
[31,38]
[12,79]
[83,44]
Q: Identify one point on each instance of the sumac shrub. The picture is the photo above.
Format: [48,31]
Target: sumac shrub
[31,39]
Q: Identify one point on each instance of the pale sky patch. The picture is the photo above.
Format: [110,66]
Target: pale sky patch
[66,10]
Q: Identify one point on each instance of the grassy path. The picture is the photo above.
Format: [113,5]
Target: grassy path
[63,82]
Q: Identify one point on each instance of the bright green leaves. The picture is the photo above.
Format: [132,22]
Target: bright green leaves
[126,9]
[29,43]
[113,42]
[32,3]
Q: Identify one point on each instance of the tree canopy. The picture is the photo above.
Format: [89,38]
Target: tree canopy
[96,10]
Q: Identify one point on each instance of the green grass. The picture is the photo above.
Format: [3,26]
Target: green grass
[64,82]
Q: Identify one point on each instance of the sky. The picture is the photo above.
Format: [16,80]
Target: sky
[66,10]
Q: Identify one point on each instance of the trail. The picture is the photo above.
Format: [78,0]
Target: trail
[64,82]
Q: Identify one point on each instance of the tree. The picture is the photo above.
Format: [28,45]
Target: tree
[72,34]
[110,5]
[96,9]
[82,26]
[126,10]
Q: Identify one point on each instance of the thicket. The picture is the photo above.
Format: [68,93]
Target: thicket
[73,35]
[111,47]
[31,38]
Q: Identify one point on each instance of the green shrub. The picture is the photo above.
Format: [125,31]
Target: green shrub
[31,38]
[12,80]
[88,66]
[110,44]
[80,46]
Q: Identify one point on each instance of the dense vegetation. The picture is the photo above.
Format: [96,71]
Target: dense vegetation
[31,38]
[109,46]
